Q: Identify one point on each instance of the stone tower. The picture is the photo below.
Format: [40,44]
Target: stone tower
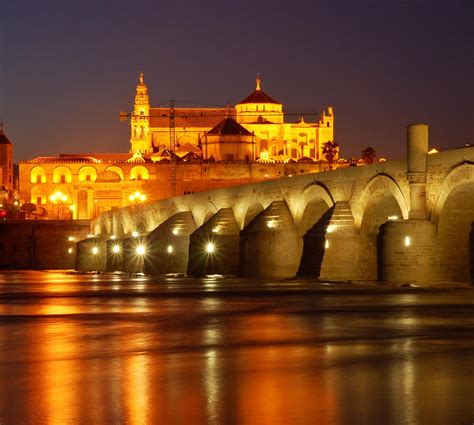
[140,120]
[6,163]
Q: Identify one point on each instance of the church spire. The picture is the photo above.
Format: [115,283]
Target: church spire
[141,96]
[258,81]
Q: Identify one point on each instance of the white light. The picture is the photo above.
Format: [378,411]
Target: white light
[175,231]
[69,251]
[326,244]
[407,241]
[95,250]
[393,217]
[210,248]
[216,229]
[135,234]
[271,223]
[331,228]
[170,249]
[90,235]
[116,249]
[70,238]
[113,237]
[140,250]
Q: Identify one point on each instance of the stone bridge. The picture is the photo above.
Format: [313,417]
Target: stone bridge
[404,221]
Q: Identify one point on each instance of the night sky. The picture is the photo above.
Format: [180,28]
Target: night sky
[67,68]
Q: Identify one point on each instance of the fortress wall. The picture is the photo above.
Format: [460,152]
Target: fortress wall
[40,244]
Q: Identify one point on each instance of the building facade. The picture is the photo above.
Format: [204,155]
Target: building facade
[215,147]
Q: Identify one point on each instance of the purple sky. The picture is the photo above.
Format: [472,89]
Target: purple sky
[68,68]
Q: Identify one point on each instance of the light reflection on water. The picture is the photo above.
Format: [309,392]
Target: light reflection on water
[119,349]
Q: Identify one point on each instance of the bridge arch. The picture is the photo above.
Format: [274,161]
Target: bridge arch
[313,202]
[453,212]
[380,199]
[252,211]
[377,185]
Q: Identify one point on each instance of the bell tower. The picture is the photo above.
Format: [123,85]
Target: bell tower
[140,138]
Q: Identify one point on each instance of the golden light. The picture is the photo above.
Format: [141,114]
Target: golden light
[210,248]
[140,250]
[175,231]
[326,244]
[95,250]
[216,229]
[72,207]
[331,228]
[393,217]
[407,241]
[70,238]
[116,249]
[142,198]
[131,198]
[69,251]
[170,249]
[271,223]
[135,234]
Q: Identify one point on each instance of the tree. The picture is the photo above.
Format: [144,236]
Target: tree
[330,151]
[369,154]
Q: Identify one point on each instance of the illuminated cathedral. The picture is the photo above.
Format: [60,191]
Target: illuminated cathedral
[255,129]
[205,149]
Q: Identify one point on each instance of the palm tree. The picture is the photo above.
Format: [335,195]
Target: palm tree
[369,154]
[330,151]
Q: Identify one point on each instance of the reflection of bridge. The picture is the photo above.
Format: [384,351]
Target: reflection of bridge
[329,225]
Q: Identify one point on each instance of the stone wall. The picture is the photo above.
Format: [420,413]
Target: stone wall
[40,244]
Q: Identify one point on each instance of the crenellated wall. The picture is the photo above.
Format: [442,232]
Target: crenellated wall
[325,225]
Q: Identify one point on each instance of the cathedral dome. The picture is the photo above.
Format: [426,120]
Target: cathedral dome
[228,126]
[258,96]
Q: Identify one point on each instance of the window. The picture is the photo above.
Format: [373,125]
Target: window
[38,178]
[329,124]
[88,177]
[38,200]
[139,176]
[62,178]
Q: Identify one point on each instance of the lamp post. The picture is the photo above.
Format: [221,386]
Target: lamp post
[137,198]
[58,198]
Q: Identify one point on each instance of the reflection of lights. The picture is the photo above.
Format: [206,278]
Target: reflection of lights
[135,234]
[175,231]
[331,228]
[170,249]
[407,241]
[69,251]
[210,248]
[271,223]
[95,250]
[140,250]
[326,244]
[116,249]
[393,217]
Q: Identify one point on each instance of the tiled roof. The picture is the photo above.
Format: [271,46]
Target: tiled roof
[259,96]
[229,126]
[188,117]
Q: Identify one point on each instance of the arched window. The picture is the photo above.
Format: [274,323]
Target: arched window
[62,174]
[38,175]
[116,170]
[87,173]
[139,173]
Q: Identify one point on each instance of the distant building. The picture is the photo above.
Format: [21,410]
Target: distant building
[258,113]
[6,166]
[215,147]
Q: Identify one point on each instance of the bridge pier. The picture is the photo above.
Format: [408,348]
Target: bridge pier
[114,255]
[270,244]
[409,248]
[134,251]
[214,247]
[341,242]
[91,254]
[168,245]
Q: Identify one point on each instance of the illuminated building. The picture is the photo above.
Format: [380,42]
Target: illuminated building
[6,165]
[215,147]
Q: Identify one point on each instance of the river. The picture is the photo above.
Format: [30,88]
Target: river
[119,349]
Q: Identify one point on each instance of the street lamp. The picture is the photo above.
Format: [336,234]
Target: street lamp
[58,198]
[137,197]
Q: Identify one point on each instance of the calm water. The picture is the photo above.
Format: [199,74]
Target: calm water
[89,349]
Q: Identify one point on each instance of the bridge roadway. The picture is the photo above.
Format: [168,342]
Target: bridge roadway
[405,220]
